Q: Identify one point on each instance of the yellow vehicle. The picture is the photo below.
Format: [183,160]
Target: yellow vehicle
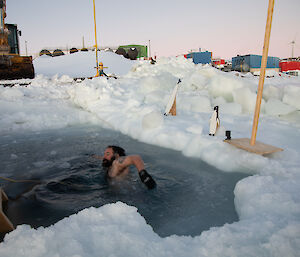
[12,65]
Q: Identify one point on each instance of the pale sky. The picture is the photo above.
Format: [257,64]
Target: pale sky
[174,27]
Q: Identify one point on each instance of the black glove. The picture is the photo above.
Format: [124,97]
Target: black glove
[147,179]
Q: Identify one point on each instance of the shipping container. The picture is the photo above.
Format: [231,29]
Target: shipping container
[200,57]
[252,63]
[289,66]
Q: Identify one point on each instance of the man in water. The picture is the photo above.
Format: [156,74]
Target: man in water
[117,164]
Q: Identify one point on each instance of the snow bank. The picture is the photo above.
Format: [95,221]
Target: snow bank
[42,105]
[268,203]
[81,64]
[118,230]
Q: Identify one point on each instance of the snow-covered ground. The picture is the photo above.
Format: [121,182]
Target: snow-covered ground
[267,203]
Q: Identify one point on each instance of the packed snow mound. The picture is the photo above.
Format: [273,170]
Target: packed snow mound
[81,64]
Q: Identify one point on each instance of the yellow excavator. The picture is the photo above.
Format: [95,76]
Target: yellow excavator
[12,65]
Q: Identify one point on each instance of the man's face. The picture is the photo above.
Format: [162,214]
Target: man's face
[108,157]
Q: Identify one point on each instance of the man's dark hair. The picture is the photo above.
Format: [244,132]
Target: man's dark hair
[117,149]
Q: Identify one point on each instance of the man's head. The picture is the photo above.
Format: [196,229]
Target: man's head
[110,154]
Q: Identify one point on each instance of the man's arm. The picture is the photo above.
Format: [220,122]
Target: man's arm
[126,161]
[137,161]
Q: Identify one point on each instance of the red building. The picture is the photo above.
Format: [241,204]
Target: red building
[218,61]
[290,64]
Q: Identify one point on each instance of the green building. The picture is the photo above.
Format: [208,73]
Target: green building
[142,50]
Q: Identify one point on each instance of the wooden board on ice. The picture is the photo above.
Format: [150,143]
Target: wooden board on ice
[258,147]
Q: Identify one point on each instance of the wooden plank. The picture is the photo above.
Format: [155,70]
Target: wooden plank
[5,224]
[257,148]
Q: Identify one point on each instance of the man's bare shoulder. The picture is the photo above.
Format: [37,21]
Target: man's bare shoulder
[128,159]
[121,159]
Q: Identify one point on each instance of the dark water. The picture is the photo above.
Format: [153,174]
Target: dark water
[191,196]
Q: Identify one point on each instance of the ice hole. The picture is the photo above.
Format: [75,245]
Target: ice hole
[191,195]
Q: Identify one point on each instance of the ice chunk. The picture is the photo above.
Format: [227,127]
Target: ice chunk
[224,86]
[292,96]
[194,103]
[152,120]
[156,96]
[246,99]
[271,92]
[231,108]
[276,107]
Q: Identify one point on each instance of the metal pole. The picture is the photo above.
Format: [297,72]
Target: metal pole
[262,71]
[96,45]
[26,48]
[149,50]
